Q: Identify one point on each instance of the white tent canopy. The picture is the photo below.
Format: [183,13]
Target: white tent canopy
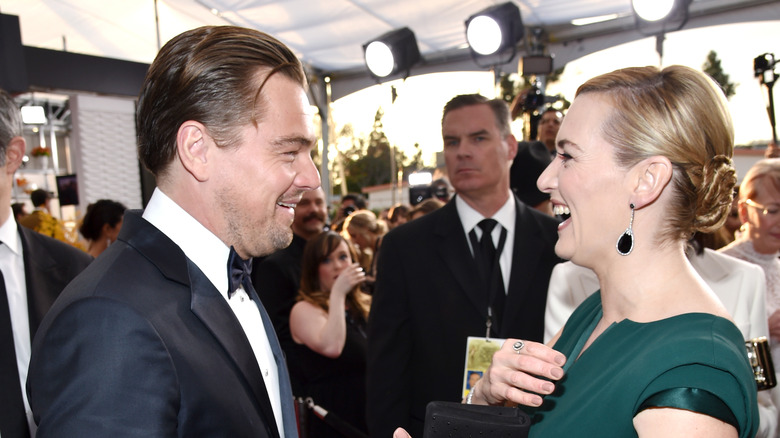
[328,34]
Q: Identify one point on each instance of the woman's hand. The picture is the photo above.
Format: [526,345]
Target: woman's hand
[514,374]
[326,333]
[350,277]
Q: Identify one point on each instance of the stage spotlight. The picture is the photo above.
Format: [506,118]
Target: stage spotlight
[658,16]
[394,52]
[495,30]
[33,115]
[652,10]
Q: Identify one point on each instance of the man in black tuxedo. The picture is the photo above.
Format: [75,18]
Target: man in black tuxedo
[277,277]
[431,295]
[34,270]
[164,335]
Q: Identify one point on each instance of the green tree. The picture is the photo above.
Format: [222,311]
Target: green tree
[713,68]
[367,162]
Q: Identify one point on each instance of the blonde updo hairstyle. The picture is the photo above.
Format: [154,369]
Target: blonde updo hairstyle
[682,114]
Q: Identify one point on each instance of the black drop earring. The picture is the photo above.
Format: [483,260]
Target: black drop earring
[625,243]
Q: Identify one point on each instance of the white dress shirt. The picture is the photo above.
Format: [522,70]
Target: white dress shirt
[210,254]
[505,216]
[12,265]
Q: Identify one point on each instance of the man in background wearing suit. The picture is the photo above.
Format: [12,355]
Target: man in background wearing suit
[163,335]
[34,270]
[430,293]
[277,278]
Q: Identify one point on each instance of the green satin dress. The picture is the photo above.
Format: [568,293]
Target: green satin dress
[694,361]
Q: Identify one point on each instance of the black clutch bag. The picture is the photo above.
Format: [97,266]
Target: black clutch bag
[456,420]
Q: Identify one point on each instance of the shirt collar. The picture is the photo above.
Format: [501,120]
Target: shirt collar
[199,244]
[469,217]
[9,235]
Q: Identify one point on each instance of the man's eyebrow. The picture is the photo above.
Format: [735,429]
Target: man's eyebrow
[470,134]
[480,132]
[292,140]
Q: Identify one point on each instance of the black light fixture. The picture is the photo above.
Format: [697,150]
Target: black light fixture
[495,31]
[394,52]
[764,69]
[658,16]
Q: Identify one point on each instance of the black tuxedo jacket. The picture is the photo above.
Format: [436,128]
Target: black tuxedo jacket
[49,265]
[277,279]
[141,344]
[428,301]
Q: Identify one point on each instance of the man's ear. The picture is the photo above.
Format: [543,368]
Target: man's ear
[192,147]
[14,153]
[511,143]
[649,177]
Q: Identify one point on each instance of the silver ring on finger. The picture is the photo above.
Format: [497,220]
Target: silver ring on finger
[517,346]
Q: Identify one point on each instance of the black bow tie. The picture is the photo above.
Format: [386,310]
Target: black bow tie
[239,272]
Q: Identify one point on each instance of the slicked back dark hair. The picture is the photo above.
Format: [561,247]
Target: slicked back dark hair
[213,75]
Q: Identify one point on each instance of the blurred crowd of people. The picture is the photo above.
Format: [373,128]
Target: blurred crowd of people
[94,232]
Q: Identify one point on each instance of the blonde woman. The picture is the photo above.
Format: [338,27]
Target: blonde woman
[643,161]
[759,239]
[366,232]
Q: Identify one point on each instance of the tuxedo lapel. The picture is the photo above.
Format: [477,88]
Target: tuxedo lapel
[207,303]
[212,309]
[289,420]
[454,251]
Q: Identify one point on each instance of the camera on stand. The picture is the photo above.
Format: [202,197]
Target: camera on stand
[422,187]
[764,70]
[534,99]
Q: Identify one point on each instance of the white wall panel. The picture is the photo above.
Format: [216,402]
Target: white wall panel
[103,150]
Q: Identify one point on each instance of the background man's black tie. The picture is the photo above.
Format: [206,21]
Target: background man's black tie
[13,419]
[486,256]
[240,273]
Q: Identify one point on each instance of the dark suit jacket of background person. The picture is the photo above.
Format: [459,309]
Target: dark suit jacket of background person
[277,279]
[142,344]
[49,265]
[530,161]
[429,300]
